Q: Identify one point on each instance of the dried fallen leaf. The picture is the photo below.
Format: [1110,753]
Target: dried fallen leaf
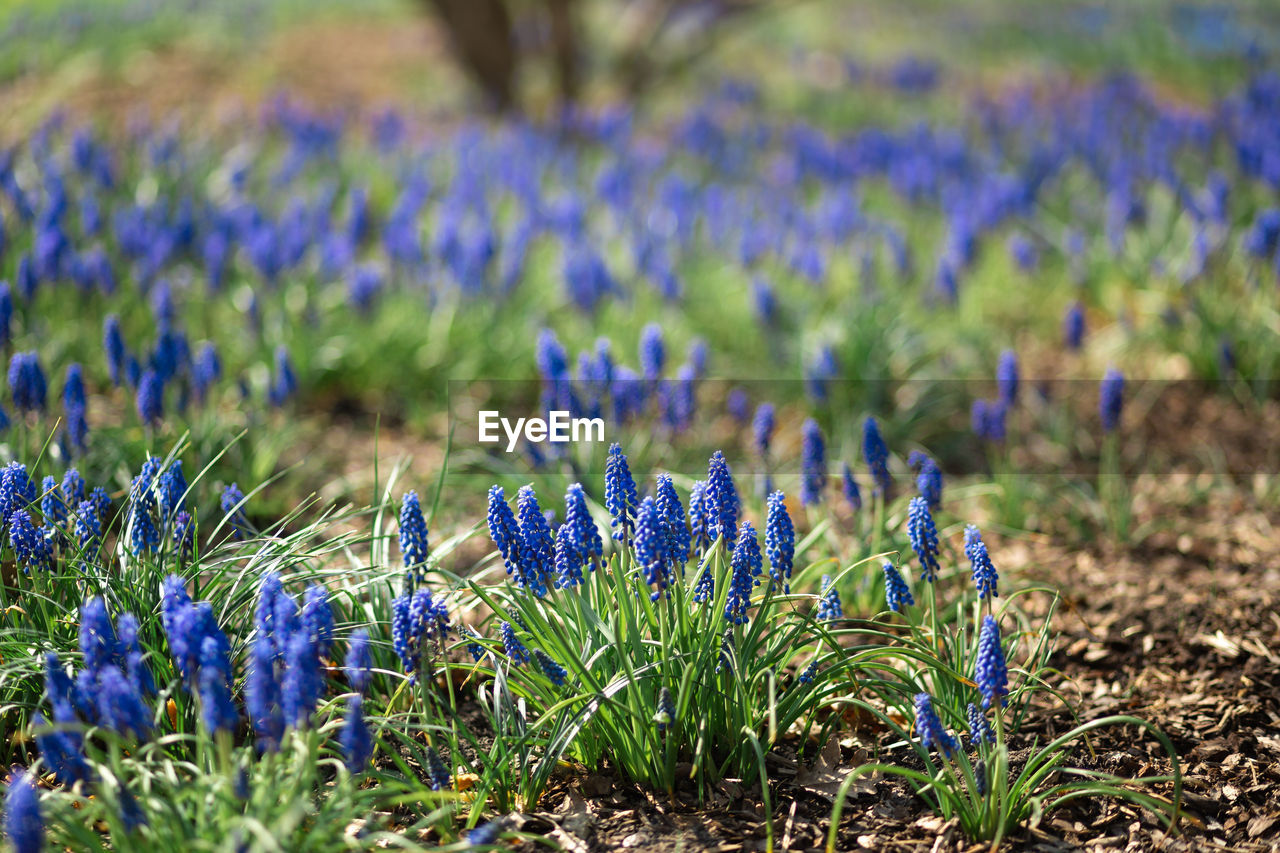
[1261,824]
[825,776]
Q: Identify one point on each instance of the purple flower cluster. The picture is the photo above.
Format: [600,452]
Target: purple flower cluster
[420,623]
[744,569]
[780,541]
[110,690]
[413,539]
[924,537]
[932,732]
[896,592]
[813,477]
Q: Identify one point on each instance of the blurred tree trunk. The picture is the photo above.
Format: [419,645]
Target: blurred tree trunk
[648,59]
[565,49]
[481,34]
[661,39]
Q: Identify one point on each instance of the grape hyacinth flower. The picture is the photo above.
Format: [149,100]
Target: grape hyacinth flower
[929,480]
[505,533]
[698,352]
[990,672]
[27,383]
[651,548]
[932,733]
[355,739]
[665,716]
[120,706]
[705,589]
[699,540]
[620,496]
[316,620]
[32,547]
[150,398]
[73,490]
[1073,326]
[568,559]
[61,750]
[984,573]
[813,466]
[652,352]
[285,382]
[75,404]
[17,491]
[550,667]
[987,418]
[924,537]
[101,501]
[1007,378]
[808,674]
[217,710]
[780,541]
[876,452]
[174,604]
[511,644]
[849,486]
[762,428]
[184,535]
[678,399]
[144,535]
[88,532]
[172,488]
[1111,399]
[232,504]
[672,518]
[896,592]
[303,681]
[537,551]
[23,823]
[262,699]
[549,355]
[721,501]
[972,534]
[474,648]
[586,536]
[58,685]
[413,539]
[744,567]
[206,369]
[98,643]
[485,833]
[829,606]
[131,649]
[819,372]
[420,623]
[358,662]
[186,625]
[979,728]
[438,774]
[133,372]
[52,505]
[276,614]
[738,405]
